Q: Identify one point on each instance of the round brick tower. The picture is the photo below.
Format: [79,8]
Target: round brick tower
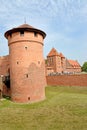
[27,67]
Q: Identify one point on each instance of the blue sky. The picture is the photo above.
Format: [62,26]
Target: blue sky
[64,21]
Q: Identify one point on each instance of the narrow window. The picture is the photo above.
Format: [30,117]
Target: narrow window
[35,34]
[26,75]
[38,62]
[17,62]
[10,35]
[28,98]
[21,33]
[25,47]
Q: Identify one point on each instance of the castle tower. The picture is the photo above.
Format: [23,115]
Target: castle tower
[63,63]
[27,67]
[54,60]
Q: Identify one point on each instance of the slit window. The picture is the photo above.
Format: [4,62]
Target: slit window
[38,62]
[26,75]
[21,33]
[28,98]
[10,35]
[17,62]
[26,47]
[35,34]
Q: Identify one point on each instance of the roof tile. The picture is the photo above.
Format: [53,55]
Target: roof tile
[74,63]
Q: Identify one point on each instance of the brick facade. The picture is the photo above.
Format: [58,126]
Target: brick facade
[58,63]
[4,65]
[27,66]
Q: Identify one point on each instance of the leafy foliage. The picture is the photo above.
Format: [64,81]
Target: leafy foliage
[84,67]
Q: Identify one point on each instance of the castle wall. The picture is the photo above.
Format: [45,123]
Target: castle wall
[4,65]
[68,80]
[4,70]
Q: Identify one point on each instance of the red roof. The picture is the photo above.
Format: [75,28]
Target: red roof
[74,63]
[24,27]
[61,55]
[53,52]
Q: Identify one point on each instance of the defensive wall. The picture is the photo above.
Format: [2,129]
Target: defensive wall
[67,80]
[4,65]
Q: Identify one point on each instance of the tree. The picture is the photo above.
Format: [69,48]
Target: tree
[84,67]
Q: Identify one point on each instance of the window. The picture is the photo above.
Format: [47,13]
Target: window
[28,98]
[10,35]
[26,75]
[26,47]
[35,34]
[17,62]
[21,33]
[38,62]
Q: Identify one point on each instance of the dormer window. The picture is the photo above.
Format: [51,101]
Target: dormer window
[21,33]
[35,34]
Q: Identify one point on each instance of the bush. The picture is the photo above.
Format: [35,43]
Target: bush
[84,67]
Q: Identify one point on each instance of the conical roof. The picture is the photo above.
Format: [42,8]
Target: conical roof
[25,27]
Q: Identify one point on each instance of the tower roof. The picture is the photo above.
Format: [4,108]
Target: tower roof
[61,55]
[24,27]
[53,52]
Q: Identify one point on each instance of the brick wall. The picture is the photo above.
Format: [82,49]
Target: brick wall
[67,80]
[4,65]
[27,67]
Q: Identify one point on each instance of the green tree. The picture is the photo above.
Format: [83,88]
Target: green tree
[84,67]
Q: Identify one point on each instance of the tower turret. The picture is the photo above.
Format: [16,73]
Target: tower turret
[27,67]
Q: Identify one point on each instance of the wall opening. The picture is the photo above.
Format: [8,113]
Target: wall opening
[10,35]
[26,47]
[28,98]
[26,75]
[21,33]
[17,62]
[38,62]
[35,34]
[6,81]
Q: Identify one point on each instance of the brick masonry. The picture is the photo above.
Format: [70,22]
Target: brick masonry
[67,80]
[57,62]
[26,64]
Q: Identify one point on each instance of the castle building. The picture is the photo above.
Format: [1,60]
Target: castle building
[25,64]
[58,63]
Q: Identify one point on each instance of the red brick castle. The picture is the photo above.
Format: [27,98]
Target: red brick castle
[24,70]
[58,63]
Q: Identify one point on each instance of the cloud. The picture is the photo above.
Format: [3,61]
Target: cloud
[64,21]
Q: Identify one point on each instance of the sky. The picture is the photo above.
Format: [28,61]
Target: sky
[64,21]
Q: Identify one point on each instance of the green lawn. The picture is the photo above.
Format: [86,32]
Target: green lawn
[65,108]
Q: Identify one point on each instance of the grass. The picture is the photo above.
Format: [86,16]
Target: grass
[65,108]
